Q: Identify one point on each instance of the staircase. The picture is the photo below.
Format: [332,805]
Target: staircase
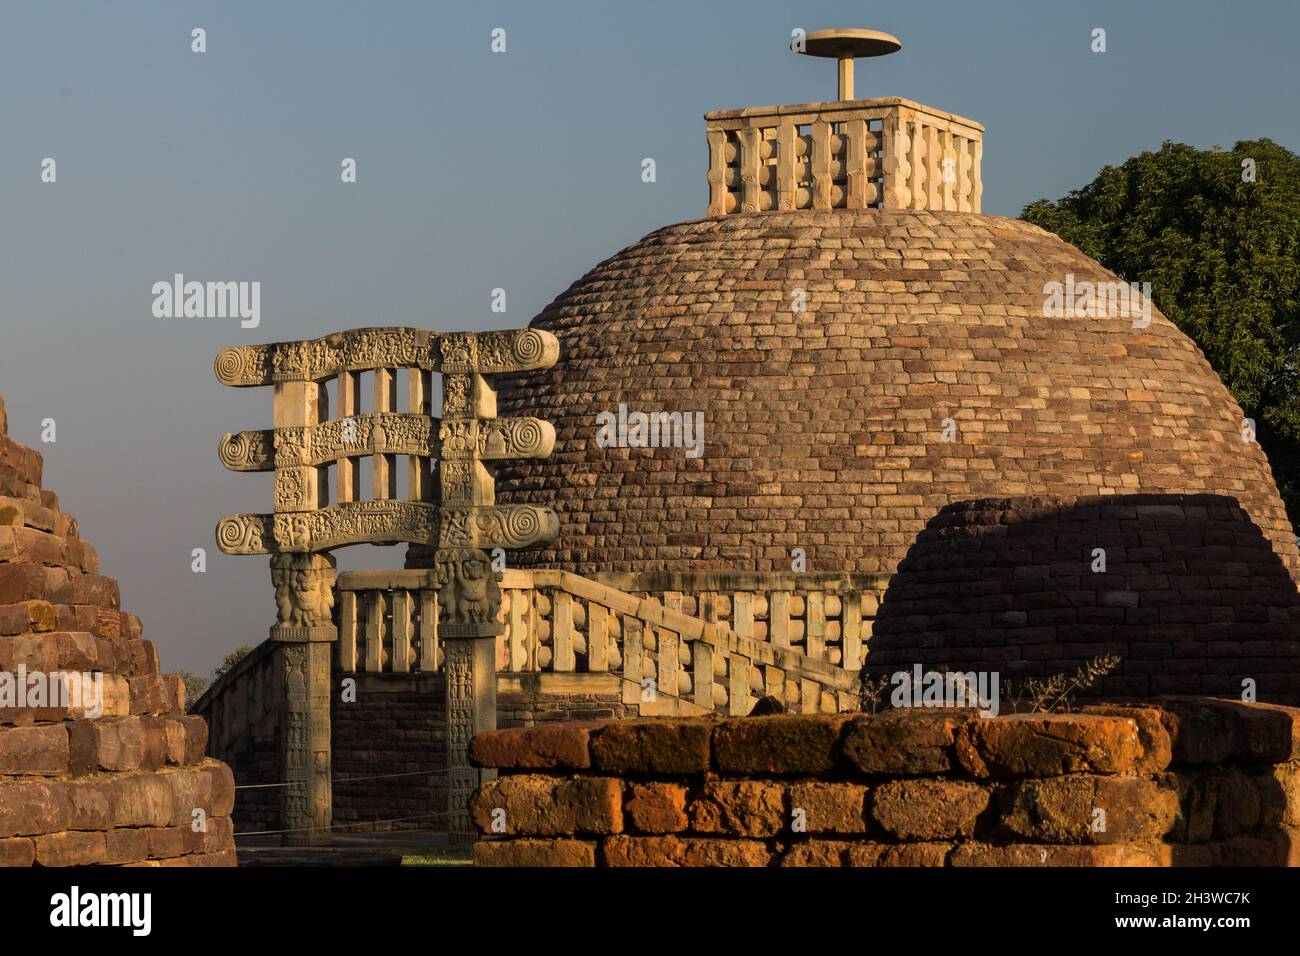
[667,662]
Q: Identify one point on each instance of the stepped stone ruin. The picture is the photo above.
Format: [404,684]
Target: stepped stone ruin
[98,762]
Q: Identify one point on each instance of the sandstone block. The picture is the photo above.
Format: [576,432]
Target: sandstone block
[906,744]
[778,744]
[527,852]
[683,851]
[819,853]
[537,805]
[929,809]
[1157,748]
[71,848]
[1090,809]
[126,845]
[34,750]
[653,746]
[1028,854]
[830,807]
[17,851]
[898,854]
[656,807]
[29,807]
[535,748]
[1043,745]
[740,807]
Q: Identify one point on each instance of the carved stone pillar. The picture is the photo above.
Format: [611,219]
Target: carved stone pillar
[470,600]
[304,597]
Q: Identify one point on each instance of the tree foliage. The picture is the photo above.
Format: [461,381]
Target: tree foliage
[1223,256]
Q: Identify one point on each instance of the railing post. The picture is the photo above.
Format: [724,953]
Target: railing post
[304,592]
[470,599]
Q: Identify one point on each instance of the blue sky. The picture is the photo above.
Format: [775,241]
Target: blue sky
[475,171]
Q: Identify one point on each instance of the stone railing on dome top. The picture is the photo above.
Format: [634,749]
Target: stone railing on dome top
[885,153]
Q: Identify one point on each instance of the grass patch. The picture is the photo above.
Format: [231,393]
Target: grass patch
[436,855]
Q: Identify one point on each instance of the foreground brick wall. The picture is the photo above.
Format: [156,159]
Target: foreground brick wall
[124,787]
[1186,781]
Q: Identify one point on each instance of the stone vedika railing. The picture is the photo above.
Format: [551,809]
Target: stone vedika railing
[887,153]
[559,622]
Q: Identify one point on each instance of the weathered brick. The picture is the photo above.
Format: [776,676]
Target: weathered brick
[538,805]
[34,750]
[1041,745]
[17,851]
[683,851]
[656,807]
[29,807]
[740,807]
[652,746]
[830,807]
[907,743]
[818,853]
[778,744]
[928,809]
[526,852]
[71,848]
[898,854]
[1029,854]
[1065,809]
[535,748]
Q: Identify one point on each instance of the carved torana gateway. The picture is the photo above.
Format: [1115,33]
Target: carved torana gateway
[448,514]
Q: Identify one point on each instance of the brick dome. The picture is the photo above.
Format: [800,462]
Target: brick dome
[824,428]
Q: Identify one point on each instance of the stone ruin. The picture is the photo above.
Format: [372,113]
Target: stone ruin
[909,457]
[99,763]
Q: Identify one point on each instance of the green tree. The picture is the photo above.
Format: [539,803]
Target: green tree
[231,659]
[1221,249]
[194,688]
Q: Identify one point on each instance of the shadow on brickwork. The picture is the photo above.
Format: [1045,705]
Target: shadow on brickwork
[1185,589]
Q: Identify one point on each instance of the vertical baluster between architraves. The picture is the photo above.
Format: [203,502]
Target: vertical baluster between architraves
[349,468]
[384,466]
[375,611]
[347,643]
[419,483]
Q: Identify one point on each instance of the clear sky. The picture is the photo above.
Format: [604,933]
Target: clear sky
[476,170]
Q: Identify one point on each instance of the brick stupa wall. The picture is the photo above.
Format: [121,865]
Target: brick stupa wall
[129,786]
[1183,782]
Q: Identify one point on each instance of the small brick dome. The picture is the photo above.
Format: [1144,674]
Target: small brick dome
[824,427]
[1184,589]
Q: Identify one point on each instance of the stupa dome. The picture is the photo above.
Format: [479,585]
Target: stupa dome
[857,371]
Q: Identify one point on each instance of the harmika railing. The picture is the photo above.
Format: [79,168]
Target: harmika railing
[887,153]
